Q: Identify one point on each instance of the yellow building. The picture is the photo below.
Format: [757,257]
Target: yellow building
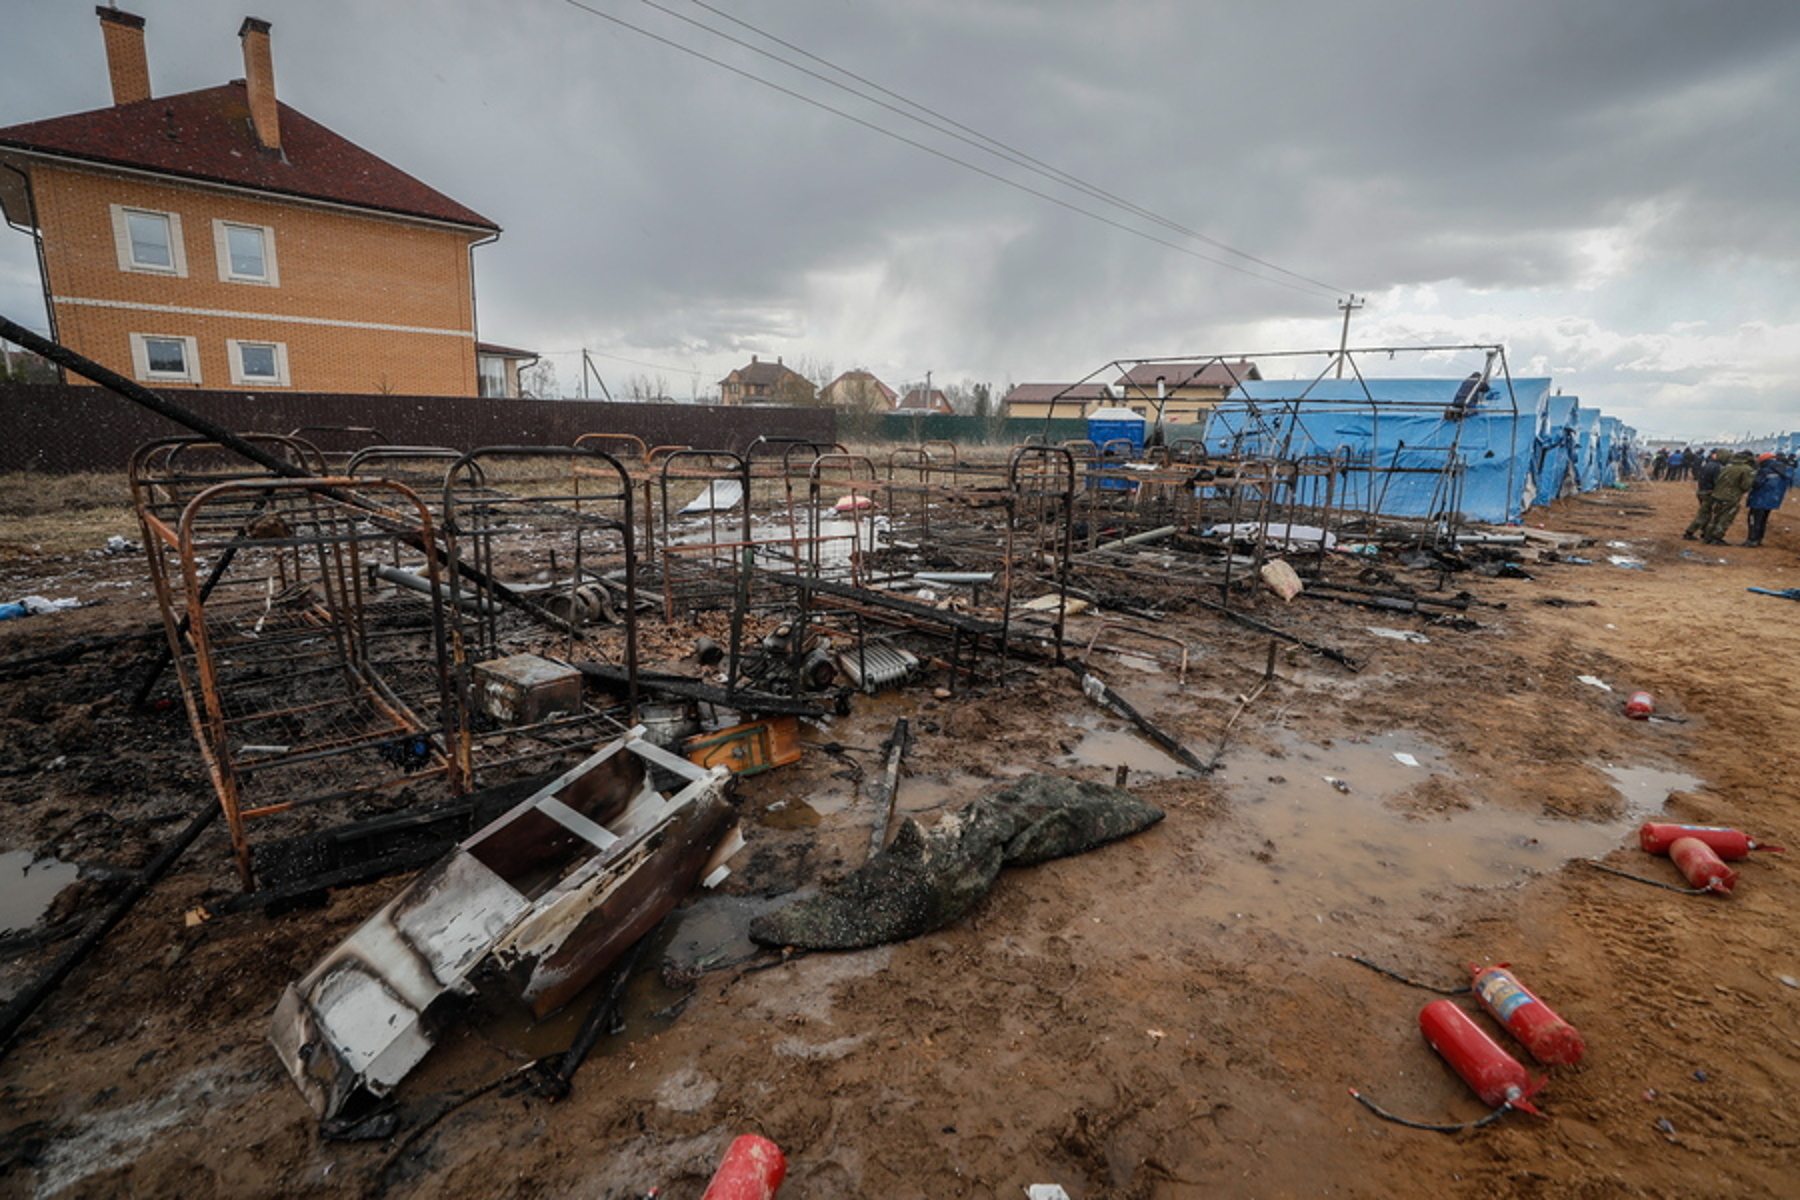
[1175,393]
[761,382]
[221,239]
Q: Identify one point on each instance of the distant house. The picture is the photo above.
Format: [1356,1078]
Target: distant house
[1036,401]
[1181,393]
[918,401]
[766,383]
[858,391]
[219,238]
[497,369]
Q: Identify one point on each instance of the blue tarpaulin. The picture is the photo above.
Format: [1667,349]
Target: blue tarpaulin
[1553,451]
[1587,449]
[1406,447]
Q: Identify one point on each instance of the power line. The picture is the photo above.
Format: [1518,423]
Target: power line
[956,129]
[918,145]
[619,358]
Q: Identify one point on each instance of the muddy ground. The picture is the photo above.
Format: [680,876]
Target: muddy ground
[1169,1016]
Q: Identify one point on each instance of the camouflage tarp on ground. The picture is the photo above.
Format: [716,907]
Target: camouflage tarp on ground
[925,880]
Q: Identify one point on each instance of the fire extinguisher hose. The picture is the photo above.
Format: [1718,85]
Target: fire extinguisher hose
[1600,866]
[1381,970]
[1385,1115]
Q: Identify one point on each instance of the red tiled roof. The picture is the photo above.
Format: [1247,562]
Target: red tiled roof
[1043,393]
[759,371]
[1189,374]
[206,136]
[848,377]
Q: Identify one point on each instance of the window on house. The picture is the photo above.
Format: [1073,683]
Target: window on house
[165,358]
[246,252]
[148,241]
[491,373]
[258,363]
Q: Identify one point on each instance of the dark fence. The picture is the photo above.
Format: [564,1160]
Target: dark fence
[60,428]
[914,429]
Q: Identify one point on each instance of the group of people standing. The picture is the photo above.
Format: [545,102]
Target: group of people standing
[1674,464]
[1723,480]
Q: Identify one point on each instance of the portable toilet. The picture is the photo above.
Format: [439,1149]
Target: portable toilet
[1114,425]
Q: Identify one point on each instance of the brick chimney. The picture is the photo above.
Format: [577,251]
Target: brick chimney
[126,62]
[259,81]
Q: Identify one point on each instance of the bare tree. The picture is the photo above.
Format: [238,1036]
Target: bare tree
[647,389]
[538,381]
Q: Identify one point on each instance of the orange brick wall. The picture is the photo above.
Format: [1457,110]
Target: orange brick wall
[331,265]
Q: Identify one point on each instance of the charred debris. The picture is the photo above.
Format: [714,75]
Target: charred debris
[533,674]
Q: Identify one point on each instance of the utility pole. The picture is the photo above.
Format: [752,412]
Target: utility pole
[1349,306]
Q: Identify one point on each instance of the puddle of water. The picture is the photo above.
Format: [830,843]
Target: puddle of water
[831,803]
[1646,789]
[927,797]
[791,814]
[28,885]
[1114,748]
[1304,851]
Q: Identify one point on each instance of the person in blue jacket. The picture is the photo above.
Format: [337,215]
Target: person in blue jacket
[1766,491]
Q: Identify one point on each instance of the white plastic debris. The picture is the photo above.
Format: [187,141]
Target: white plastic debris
[1045,1191]
[1404,759]
[1399,635]
[1591,681]
[1281,578]
[38,605]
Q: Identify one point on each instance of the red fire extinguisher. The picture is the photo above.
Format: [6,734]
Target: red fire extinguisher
[1551,1040]
[1496,1076]
[1728,844]
[752,1169]
[1702,866]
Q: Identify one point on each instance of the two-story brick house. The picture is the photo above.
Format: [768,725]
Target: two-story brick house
[219,238]
[762,382]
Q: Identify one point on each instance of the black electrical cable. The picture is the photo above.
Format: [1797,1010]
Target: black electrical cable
[956,129]
[1385,1115]
[1600,866]
[1430,987]
[918,145]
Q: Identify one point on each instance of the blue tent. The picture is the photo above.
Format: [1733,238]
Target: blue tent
[1405,447]
[1553,450]
[1587,449]
[1612,451]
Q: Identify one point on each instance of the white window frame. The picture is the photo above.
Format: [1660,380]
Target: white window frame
[271,277]
[234,353]
[122,242]
[140,358]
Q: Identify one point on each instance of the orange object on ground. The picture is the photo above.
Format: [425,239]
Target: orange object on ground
[1551,1040]
[1728,844]
[1497,1077]
[1701,866]
[753,1169]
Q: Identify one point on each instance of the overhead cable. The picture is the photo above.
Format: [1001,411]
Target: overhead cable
[1311,289]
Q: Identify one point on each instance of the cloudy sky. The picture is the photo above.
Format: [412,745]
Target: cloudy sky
[1608,188]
